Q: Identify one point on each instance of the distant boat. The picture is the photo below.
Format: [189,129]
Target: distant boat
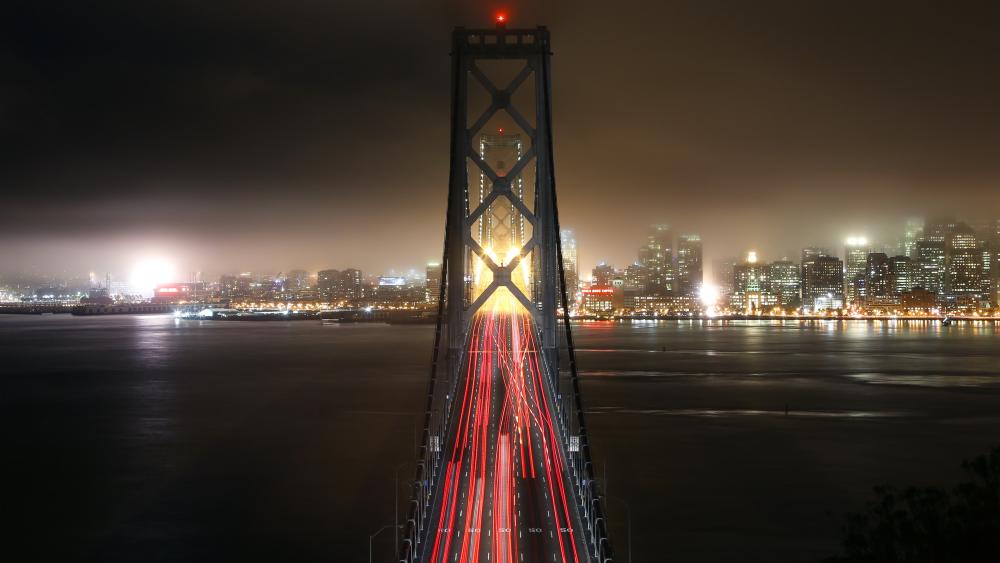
[946,321]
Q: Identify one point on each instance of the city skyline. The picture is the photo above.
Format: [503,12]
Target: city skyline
[892,242]
[183,148]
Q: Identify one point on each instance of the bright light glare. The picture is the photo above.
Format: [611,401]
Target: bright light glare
[752,257]
[709,295]
[149,273]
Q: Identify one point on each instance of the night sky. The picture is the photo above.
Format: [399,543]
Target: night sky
[270,135]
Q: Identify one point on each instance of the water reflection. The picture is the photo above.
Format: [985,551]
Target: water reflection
[751,412]
[928,380]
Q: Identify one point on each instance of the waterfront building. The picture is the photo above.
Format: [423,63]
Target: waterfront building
[570,265]
[901,271]
[340,285]
[751,291]
[879,290]
[236,287]
[918,300]
[964,264]
[689,266]
[855,261]
[823,283]
[296,280]
[599,300]
[657,256]
[785,283]
[929,269]
[398,291]
[178,292]
[722,275]
[432,282]
[808,261]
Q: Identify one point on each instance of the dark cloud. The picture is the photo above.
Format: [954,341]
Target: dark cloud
[254,135]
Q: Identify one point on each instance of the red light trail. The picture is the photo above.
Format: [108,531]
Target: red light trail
[506,496]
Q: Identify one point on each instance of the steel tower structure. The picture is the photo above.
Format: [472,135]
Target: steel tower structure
[473,274]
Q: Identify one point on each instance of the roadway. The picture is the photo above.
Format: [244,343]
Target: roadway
[506,495]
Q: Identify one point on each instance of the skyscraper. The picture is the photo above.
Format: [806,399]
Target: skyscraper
[297,280]
[751,294]
[602,275]
[722,274]
[809,256]
[432,285]
[658,257]
[964,263]
[928,271]
[914,230]
[339,285]
[855,260]
[901,270]
[785,283]
[570,264]
[823,283]
[689,266]
[878,284]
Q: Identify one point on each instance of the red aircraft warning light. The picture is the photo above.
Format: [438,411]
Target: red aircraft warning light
[501,19]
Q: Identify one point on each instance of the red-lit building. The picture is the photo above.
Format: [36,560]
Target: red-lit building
[599,300]
[179,292]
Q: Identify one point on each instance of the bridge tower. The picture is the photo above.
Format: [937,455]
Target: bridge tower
[502,237]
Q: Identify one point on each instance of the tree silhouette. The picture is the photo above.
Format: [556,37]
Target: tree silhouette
[930,525]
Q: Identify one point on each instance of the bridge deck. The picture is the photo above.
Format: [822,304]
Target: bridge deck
[505,495]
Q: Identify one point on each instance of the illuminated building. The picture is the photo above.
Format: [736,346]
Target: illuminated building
[784,283]
[879,288]
[901,270]
[598,300]
[570,265]
[340,285]
[636,279]
[751,293]
[657,257]
[914,230]
[929,269]
[667,304]
[636,276]
[398,291]
[964,264]
[939,229]
[994,271]
[602,274]
[432,283]
[297,280]
[918,300]
[689,266]
[722,274]
[235,287]
[855,261]
[809,256]
[823,282]
[179,292]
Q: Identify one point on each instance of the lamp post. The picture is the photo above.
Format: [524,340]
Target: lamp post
[628,522]
[395,502]
[371,541]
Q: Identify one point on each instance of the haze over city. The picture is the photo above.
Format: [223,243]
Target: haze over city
[229,137]
[295,281]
